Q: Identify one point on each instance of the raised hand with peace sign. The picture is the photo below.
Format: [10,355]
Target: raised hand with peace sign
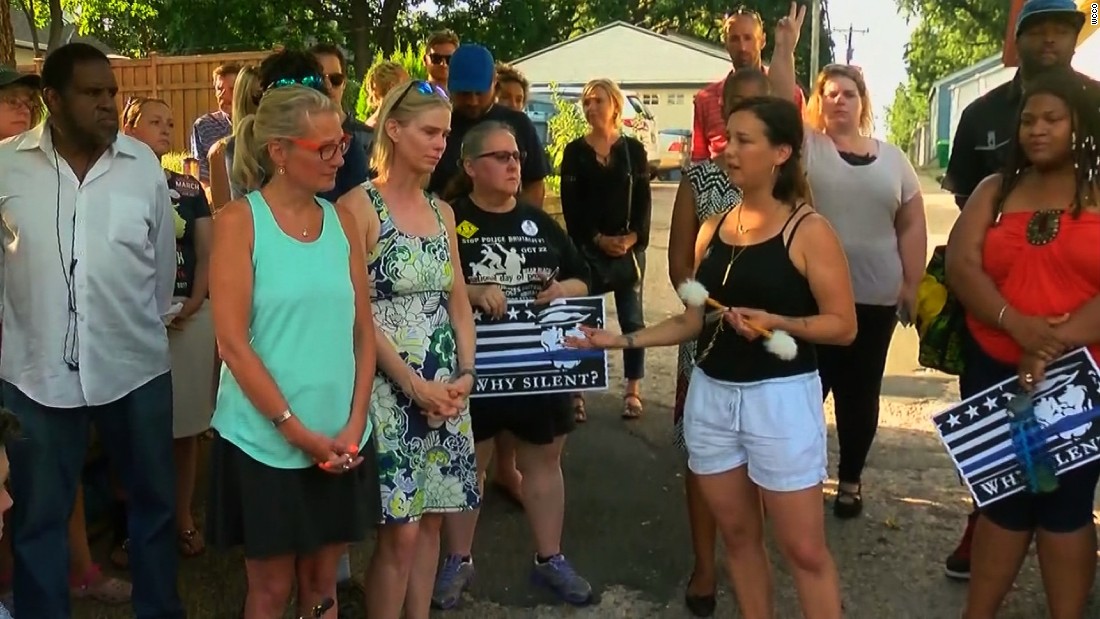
[789,28]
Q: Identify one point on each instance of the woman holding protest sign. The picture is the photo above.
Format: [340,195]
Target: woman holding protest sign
[1022,261]
[512,251]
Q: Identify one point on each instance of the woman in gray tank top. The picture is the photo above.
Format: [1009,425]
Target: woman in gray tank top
[869,192]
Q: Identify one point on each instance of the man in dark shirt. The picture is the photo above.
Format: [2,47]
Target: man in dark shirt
[472,84]
[1046,38]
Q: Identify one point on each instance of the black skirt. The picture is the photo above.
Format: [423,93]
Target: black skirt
[276,512]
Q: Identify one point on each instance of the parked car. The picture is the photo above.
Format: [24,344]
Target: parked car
[638,121]
[675,148]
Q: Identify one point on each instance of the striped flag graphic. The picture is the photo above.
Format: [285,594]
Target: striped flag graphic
[523,352]
[976,432]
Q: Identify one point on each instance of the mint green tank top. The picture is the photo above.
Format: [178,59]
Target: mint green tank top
[303,316]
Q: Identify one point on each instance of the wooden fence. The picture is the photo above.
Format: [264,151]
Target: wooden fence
[185,82]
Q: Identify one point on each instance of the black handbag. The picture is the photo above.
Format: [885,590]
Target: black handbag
[610,273]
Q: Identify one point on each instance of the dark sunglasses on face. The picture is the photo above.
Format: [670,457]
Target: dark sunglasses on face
[425,88]
[504,156]
[336,79]
[440,59]
[326,151]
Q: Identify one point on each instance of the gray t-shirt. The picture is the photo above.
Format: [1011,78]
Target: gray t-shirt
[861,202]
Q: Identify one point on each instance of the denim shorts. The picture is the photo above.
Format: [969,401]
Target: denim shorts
[1065,510]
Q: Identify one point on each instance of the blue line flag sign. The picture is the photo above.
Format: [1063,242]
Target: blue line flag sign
[524,351]
[978,433]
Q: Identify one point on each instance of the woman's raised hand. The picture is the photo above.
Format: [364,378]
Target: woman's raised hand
[594,338]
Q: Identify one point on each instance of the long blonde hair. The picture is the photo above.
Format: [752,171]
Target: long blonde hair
[283,113]
[614,94]
[246,91]
[401,104]
[815,117]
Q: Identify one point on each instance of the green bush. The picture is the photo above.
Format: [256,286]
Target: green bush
[552,184]
[565,126]
[174,161]
[409,57]
[351,94]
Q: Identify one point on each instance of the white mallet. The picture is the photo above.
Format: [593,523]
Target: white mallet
[779,343]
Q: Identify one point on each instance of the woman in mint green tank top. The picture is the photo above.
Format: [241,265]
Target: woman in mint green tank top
[425,328]
[292,476]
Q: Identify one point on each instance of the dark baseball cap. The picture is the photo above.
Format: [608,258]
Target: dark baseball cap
[1057,9]
[472,70]
[9,76]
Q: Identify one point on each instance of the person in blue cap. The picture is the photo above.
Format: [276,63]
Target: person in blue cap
[472,87]
[1046,38]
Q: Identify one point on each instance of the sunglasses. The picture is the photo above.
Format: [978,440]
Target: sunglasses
[336,79]
[425,88]
[326,151]
[744,10]
[440,59]
[504,156]
[315,82]
[843,69]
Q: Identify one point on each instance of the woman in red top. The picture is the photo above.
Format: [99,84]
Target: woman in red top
[1024,260]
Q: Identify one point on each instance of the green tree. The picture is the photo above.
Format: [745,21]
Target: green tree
[951,35]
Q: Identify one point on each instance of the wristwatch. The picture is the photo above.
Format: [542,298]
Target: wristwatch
[282,418]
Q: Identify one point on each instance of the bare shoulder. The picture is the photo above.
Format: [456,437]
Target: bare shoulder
[446,210]
[235,215]
[810,233]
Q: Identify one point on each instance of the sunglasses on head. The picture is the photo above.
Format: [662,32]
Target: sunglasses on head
[744,10]
[442,59]
[315,82]
[504,156]
[425,88]
[326,151]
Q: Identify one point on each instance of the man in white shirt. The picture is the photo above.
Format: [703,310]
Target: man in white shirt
[87,269]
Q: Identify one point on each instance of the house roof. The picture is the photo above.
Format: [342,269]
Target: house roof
[679,39]
[24,37]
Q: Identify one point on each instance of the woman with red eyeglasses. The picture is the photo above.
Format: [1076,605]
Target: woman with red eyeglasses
[292,316]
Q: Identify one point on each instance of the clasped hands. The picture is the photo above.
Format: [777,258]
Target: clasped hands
[616,246]
[1041,341]
[441,400]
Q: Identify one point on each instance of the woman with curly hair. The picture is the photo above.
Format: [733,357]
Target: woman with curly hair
[1022,261]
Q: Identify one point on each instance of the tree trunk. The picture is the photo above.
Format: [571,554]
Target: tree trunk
[32,25]
[57,26]
[7,36]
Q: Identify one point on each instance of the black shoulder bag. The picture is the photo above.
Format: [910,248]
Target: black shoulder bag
[610,273]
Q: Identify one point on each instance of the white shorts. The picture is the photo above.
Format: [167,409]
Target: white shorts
[776,427]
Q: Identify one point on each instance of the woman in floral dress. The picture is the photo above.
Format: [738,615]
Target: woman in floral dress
[425,327]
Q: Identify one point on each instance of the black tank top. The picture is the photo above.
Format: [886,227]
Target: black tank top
[762,277]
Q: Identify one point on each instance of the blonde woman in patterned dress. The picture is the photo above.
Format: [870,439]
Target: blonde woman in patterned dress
[425,323]
[704,194]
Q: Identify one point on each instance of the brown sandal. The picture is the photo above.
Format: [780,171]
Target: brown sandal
[191,543]
[579,412]
[632,406]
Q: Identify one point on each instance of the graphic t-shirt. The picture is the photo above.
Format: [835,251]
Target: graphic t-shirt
[517,251]
[189,204]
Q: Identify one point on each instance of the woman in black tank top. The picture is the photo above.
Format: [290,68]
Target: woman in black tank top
[754,424]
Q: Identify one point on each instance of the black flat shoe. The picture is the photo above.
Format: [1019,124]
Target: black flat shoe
[700,605]
[848,503]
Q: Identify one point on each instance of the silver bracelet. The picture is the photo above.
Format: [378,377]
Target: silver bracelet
[1001,316]
[282,418]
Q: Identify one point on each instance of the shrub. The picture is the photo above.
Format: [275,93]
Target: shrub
[412,59]
[566,125]
[174,161]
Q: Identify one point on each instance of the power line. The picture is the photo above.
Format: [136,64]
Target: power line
[850,30]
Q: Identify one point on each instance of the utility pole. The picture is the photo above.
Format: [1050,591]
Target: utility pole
[815,38]
[850,30]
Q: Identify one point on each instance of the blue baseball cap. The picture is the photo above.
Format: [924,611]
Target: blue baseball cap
[1059,9]
[472,70]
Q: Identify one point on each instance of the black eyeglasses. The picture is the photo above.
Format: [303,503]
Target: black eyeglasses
[442,59]
[425,88]
[504,156]
[336,79]
[315,82]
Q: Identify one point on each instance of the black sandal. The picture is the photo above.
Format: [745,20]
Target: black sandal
[848,503]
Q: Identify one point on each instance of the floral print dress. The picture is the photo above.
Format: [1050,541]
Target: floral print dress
[421,469]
